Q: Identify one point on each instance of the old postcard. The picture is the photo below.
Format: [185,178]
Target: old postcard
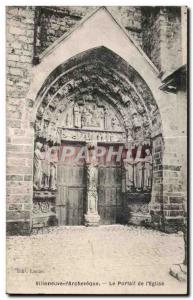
[96,150]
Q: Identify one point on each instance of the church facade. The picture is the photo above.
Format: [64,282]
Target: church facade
[96,123]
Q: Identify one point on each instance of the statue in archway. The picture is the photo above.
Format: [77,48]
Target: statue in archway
[147,170]
[92,217]
[138,169]
[38,172]
[53,168]
[77,116]
[138,174]
[46,167]
[138,166]
[92,180]
[105,119]
[129,165]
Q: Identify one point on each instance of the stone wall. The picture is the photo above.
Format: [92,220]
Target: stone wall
[162,41]
[130,18]
[53,22]
[20,30]
[169,194]
[162,37]
[157,30]
[175,165]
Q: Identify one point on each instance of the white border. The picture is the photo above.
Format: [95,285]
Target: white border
[100,2]
[4,3]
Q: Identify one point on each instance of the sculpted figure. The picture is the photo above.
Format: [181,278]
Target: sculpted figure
[67,120]
[38,127]
[52,132]
[147,169]
[76,115]
[129,164]
[45,129]
[138,169]
[113,123]
[136,121]
[92,178]
[38,157]
[53,169]
[46,167]
[105,119]
[83,117]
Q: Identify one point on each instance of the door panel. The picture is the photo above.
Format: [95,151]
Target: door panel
[71,191]
[110,203]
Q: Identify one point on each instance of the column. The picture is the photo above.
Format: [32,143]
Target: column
[92,217]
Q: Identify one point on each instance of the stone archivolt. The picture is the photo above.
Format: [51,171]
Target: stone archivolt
[89,96]
[110,85]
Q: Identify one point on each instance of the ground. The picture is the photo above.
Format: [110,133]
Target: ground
[120,259]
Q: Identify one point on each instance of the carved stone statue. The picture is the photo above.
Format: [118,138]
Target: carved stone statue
[46,167]
[83,117]
[113,123]
[92,179]
[147,170]
[129,164]
[38,157]
[67,120]
[105,119]
[138,174]
[53,168]
[77,116]
[138,169]
[52,132]
[45,129]
[92,217]
[38,128]
[136,121]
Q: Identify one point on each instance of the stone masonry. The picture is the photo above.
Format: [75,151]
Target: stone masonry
[163,24]
[53,22]
[20,36]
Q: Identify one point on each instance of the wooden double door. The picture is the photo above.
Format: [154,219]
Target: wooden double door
[72,191]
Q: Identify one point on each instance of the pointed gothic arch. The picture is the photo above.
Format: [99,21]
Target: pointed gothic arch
[99,71]
[70,108]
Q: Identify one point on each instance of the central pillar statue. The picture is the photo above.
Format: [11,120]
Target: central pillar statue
[92,217]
